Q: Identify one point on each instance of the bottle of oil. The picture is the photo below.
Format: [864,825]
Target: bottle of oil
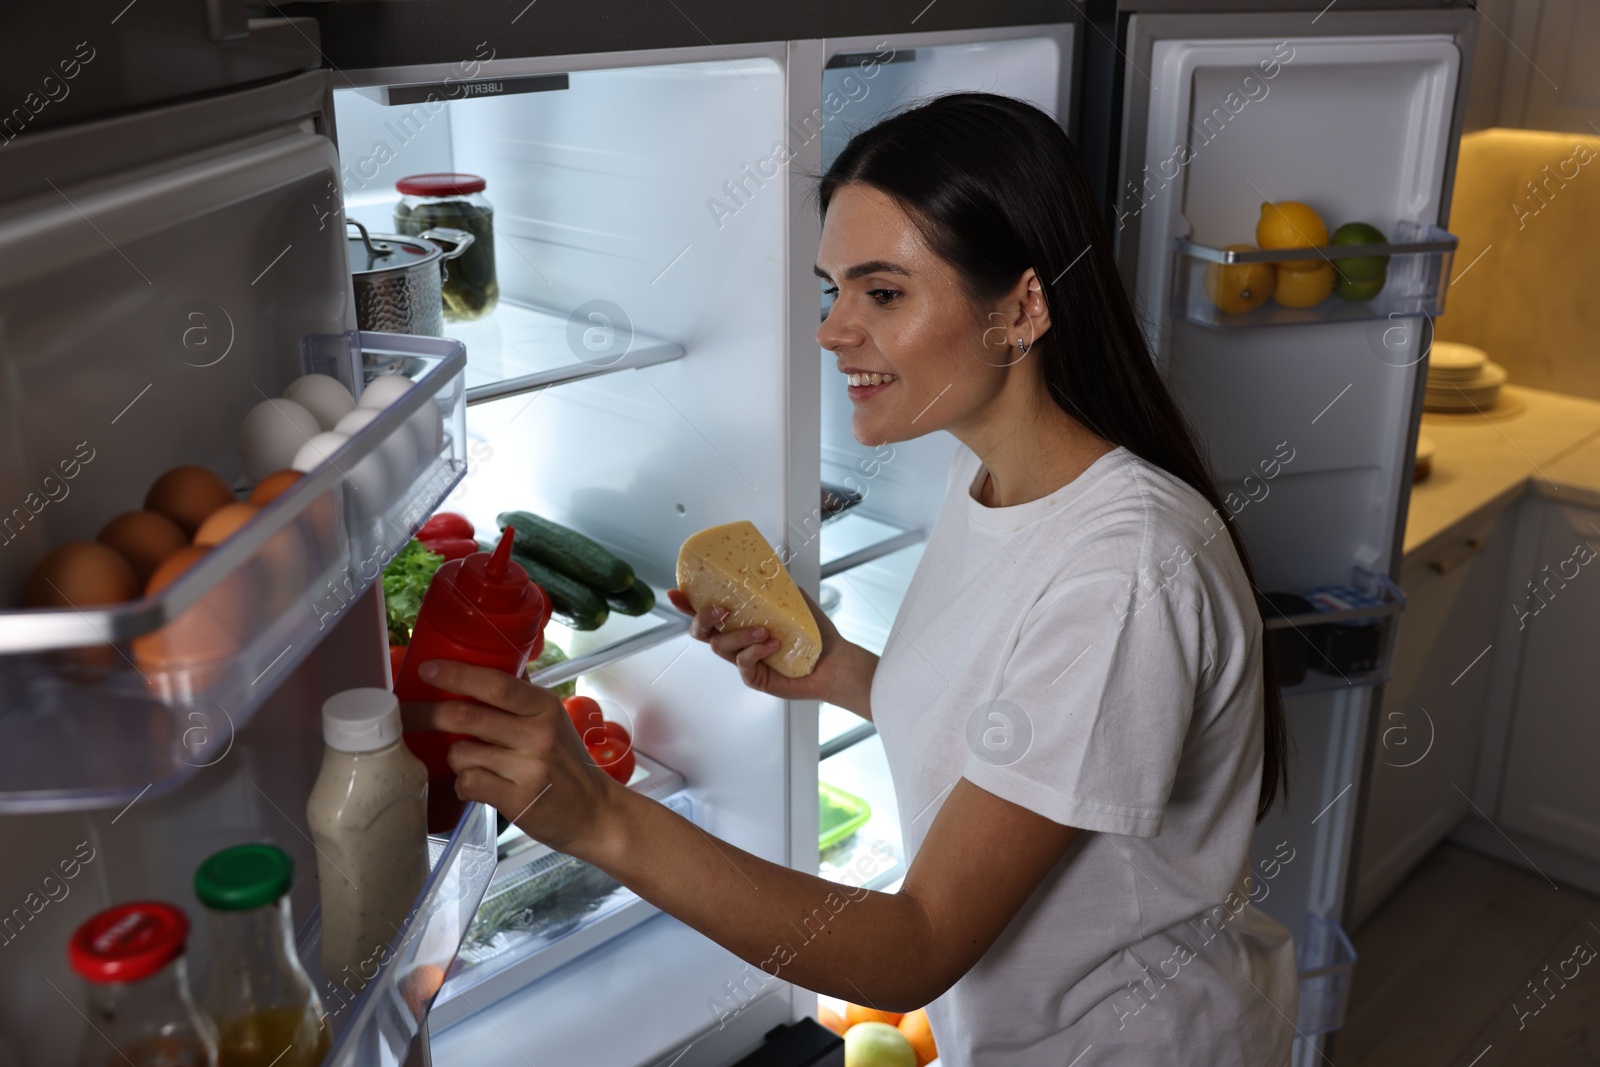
[266,1010]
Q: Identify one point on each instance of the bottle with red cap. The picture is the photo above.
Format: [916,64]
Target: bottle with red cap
[479,609]
[454,202]
[132,956]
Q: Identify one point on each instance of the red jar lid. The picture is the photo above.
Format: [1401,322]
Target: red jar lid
[128,942]
[440,184]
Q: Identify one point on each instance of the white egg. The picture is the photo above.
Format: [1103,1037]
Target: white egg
[427,427]
[324,397]
[367,479]
[381,392]
[271,435]
[399,449]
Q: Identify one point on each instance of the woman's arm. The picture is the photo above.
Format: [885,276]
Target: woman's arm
[842,675]
[979,863]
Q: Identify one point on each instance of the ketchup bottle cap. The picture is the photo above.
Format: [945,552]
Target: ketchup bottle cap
[488,596]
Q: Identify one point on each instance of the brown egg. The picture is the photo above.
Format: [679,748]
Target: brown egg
[173,566]
[80,574]
[224,523]
[273,486]
[187,496]
[145,539]
[191,653]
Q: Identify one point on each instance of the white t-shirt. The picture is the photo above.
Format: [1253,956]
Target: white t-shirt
[1093,657]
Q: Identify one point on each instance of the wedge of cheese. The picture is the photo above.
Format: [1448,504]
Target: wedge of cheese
[732,566]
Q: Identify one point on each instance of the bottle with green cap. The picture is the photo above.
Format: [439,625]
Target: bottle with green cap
[266,1010]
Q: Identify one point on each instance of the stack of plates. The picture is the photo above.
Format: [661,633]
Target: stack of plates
[1461,378]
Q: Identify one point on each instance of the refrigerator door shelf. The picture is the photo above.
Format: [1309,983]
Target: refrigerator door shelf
[1348,647]
[543,909]
[106,703]
[517,349]
[1326,962]
[1418,273]
[376,1024]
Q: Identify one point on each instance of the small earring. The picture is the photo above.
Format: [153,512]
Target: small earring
[1022,346]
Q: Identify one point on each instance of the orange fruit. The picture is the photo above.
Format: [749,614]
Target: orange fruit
[914,1024]
[1291,224]
[855,1013]
[832,1020]
[1239,287]
[1304,288]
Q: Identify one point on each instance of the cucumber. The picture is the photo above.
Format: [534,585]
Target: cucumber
[580,606]
[637,599]
[568,551]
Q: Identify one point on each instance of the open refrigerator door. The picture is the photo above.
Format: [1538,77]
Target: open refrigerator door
[1308,400]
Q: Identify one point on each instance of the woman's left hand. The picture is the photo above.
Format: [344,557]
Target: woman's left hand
[528,761]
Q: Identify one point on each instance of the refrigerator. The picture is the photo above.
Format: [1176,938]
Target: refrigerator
[1309,415]
[648,373]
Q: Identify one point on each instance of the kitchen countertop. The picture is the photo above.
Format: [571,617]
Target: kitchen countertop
[1484,459]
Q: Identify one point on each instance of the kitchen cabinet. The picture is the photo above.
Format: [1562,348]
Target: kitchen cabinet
[1550,788]
[1533,65]
[1426,743]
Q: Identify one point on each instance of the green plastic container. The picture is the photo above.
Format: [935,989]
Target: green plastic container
[839,814]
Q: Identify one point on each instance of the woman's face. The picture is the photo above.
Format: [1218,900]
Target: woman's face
[899,313]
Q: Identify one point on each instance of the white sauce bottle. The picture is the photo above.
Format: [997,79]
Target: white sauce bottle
[368,817]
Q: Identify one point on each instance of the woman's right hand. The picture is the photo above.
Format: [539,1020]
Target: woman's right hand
[838,671]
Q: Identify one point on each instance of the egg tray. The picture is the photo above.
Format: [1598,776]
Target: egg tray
[99,704]
[1418,275]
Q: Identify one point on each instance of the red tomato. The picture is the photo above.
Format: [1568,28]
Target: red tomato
[615,758]
[397,655]
[585,714]
[445,525]
[618,732]
[450,547]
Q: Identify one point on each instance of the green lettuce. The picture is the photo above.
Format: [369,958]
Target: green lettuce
[405,582]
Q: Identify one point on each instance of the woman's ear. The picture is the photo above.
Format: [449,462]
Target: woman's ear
[1025,309]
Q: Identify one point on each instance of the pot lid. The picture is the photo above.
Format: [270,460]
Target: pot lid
[374,253]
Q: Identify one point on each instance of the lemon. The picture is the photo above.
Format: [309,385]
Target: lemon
[1304,288]
[877,1045]
[1360,268]
[1239,287]
[1291,224]
[1359,291]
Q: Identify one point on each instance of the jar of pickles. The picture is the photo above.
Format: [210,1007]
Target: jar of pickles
[266,1010]
[140,1009]
[454,201]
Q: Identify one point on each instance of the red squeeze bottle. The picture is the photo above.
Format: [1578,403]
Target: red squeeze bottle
[479,609]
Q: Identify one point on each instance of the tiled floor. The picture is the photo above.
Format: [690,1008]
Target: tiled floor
[1445,966]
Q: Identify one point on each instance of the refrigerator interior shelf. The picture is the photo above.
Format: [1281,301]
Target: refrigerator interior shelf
[376,1024]
[873,855]
[104,703]
[544,908]
[620,637]
[517,349]
[1343,648]
[1415,278]
[850,539]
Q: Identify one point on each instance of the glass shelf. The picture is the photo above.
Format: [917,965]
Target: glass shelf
[851,539]
[516,349]
[1417,277]
[544,908]
[874,856]
[621,636]
[375,1026]
[105,703]
[1340,649]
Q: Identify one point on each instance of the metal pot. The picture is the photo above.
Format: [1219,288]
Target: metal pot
[398,279]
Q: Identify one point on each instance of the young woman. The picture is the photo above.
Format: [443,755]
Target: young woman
[1075,699]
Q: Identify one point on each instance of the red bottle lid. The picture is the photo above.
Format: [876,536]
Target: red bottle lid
[128,942]
[440,184]
[486,600]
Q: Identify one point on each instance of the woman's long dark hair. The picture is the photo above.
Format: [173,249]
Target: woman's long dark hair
[995,187]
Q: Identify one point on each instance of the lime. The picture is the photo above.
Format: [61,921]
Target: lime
[1360,268]
[1359,291]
